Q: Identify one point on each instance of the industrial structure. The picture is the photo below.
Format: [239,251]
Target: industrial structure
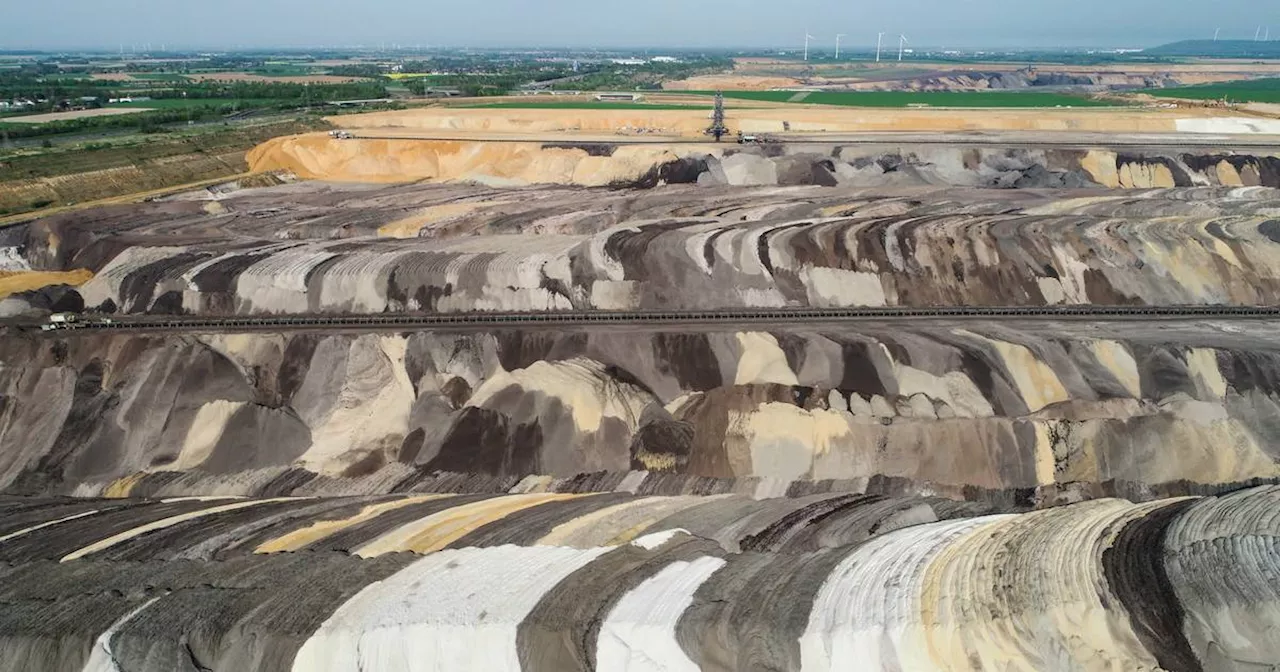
[717,128]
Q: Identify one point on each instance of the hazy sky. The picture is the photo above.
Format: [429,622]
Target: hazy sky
[628,23]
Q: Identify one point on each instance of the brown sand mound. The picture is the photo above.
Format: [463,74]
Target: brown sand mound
[546,123]
[317,156]
[732,83]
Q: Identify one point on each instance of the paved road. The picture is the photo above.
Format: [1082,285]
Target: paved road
[736,317]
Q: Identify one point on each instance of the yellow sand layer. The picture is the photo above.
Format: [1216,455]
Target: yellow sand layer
[410,227]
[13,282]
[301,538]
[317,156]
[691,123]
[437,531]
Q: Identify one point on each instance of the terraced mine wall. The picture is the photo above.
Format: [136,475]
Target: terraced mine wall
[1032,413]
[645,165]
[557,581]
[317,248]
[1019,495]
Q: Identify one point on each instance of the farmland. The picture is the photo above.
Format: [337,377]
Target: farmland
[1252,91]
[158,76]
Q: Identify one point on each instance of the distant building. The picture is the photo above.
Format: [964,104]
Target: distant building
[628,61]
[664,59]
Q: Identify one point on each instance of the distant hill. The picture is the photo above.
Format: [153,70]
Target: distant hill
[1218,49]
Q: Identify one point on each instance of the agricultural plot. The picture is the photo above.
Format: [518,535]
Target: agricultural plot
[159,76]
[1247,91]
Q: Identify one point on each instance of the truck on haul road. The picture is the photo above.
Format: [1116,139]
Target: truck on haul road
[60,321]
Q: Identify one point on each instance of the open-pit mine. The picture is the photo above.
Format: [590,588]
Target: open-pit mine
[188,481]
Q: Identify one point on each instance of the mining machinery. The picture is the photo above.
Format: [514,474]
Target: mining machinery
[718,129]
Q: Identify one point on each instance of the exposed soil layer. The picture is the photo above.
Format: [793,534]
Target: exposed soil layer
[318,248]
[563,124]
[547,580]
[392,160]
[1041,413]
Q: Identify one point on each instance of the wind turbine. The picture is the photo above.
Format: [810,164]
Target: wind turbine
[838,36]
[807,37]
[879,41]
[902,45]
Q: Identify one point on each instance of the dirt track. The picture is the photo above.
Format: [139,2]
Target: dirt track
[556,124]
[77,114]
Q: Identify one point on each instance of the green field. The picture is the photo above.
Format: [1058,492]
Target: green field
[1248,91]
[281,71]
[583,105]
[930,98]
[68,77]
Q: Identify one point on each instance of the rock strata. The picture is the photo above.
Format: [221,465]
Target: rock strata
[1055,411]
[428,248]
[272,585]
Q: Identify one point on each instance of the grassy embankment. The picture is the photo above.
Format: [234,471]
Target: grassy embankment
[36,179]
